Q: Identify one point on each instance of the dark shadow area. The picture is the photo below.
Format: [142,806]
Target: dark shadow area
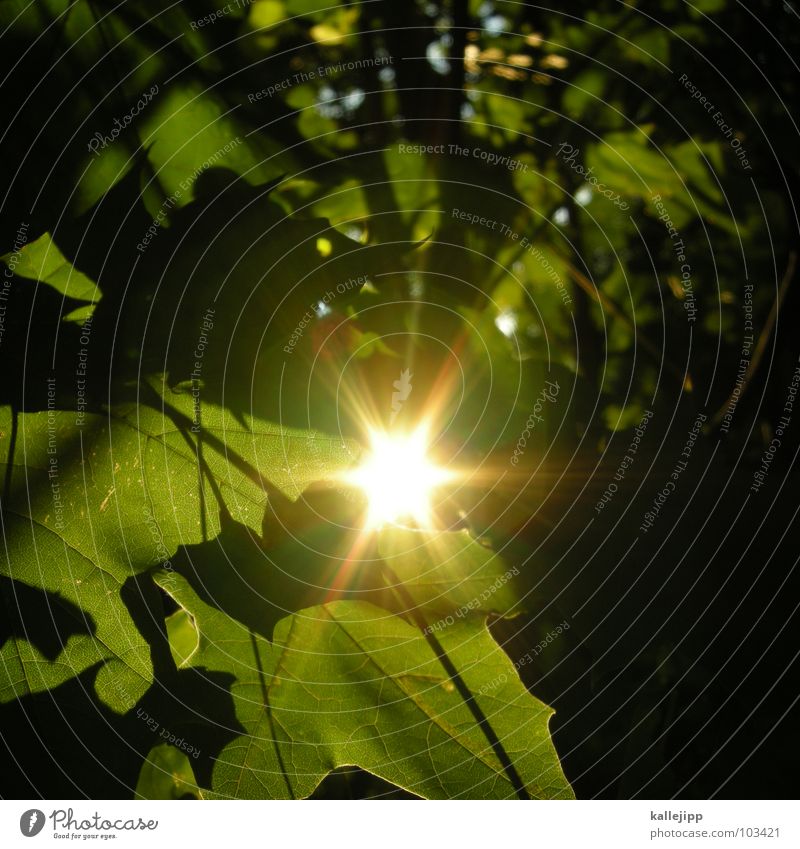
[46,620]
[59,743]
[302,563]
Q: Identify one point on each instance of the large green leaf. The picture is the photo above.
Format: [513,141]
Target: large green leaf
[348,683]
[88,507]
[64,614]
[115,502]
[132,477]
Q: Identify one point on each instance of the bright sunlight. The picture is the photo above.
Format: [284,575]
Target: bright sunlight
[398,478]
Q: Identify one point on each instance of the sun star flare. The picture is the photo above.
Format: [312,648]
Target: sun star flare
[398,478]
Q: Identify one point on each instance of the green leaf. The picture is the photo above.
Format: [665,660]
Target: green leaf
[85,510]
[85,620]
[167,774]
[88,507]
[182,636]
[631,166]
[348,683]
[190,130]
[448,571]
[42,260]
[585,92]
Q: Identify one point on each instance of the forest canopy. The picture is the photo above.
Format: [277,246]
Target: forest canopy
[397,399]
